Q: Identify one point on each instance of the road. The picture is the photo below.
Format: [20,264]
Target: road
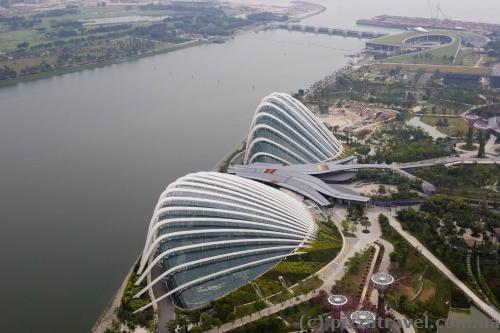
[486,308]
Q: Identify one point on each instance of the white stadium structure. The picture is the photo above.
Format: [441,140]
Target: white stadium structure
[284,131]
[211,233]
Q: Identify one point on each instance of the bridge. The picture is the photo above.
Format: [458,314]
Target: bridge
[327,30]
[448,161]
[319,181]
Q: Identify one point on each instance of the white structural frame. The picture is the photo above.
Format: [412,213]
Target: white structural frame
[315,143]
[244,211]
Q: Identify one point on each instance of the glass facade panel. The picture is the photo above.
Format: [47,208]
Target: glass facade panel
[296,129]
[234,237]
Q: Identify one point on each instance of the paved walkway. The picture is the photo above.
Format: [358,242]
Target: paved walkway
[264,313]
[486,308]
[166,311]
[330,274]
[384,267]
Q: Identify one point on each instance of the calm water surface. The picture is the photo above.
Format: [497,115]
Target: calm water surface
[472,321]
[84,156]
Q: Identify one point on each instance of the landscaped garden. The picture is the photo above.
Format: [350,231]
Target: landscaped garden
[296,318]
[444,224]
[467,181]
[451,126]
[422,289]
[352,283]
[403,143]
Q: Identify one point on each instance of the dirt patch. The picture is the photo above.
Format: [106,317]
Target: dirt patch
[427,293]
[408,291]
[372,189]
[356,116]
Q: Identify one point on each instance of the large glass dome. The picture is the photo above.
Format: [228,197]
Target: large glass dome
[212,233]
[284,131]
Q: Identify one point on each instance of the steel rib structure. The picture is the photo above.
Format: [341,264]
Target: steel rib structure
[211,233]
[284,131]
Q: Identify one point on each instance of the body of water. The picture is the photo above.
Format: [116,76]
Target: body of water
[468,321]
[84,156]
[123,19]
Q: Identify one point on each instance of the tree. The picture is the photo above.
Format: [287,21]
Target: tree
[345,225]
[470,137]
[481,152]
[366,223]
[381,189]
[206,321]
[354,263]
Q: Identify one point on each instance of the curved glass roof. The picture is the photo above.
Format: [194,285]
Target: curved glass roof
[211,233]
[284,131]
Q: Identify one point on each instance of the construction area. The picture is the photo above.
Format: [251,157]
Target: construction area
[357,116]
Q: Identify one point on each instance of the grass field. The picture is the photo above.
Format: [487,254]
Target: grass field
[436,57]
[429,68]
[461,55]
[456,126]
[10,39]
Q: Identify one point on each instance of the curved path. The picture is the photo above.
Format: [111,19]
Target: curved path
[331,273]
[486,308]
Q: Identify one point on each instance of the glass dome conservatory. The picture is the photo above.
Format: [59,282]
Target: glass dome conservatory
[284,131]
[211,233]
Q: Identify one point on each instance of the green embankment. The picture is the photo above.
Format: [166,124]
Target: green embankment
[432,57]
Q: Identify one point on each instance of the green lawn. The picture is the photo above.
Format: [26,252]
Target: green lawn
[456,126]
[436,58]
[10,39]
[112,11]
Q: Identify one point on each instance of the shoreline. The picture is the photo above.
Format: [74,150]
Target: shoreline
[256,27]
[108,315]
[62,71]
